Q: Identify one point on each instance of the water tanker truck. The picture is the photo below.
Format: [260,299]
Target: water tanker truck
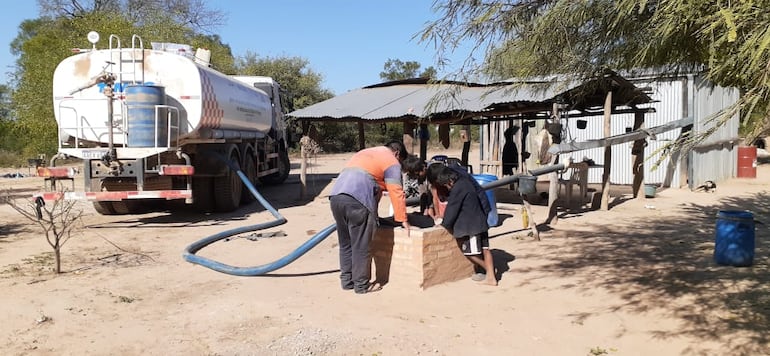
[160,124]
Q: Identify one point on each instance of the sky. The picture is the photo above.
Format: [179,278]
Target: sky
[347,42]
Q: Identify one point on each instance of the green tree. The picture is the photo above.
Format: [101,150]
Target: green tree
[8,141]
[195,15]
[395,69]
[729,40]
[293,73]
[304,86]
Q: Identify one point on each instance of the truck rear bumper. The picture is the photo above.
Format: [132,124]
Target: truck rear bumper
[117,196]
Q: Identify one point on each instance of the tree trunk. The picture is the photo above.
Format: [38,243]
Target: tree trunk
[57,258]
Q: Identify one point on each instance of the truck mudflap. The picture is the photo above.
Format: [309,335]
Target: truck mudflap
[117,196]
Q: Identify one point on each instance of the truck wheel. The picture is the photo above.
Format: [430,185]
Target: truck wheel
[125,207]
[228,189]
[284,166]
[104,207]
[249,168]
[203,194]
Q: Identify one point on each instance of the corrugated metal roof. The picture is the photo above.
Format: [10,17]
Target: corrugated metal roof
[419,98]
[416,100]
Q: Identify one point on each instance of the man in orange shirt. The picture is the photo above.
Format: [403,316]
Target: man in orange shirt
[354,200]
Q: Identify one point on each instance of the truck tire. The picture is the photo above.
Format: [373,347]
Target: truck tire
[284,166]
[203,194]
[104,207]
[249,168]
[125,207]
[228,189]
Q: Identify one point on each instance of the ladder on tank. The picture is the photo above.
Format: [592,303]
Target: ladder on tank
[134,74]
[130,64]
[130,70]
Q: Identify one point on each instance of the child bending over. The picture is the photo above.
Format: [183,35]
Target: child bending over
[466,218]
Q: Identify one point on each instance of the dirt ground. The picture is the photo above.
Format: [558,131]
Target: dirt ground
[635,280]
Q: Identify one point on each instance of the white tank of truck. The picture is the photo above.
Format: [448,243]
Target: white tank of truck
[210,104]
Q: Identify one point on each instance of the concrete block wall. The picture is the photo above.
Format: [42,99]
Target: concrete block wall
[425,258]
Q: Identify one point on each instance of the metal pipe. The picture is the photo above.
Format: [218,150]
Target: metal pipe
[514,178]
[55,157]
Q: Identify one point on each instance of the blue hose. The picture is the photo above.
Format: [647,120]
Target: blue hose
[190,256]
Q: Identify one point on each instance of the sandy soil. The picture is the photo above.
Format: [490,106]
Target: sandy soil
[635,280]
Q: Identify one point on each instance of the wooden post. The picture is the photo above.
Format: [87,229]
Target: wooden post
[303,164]
[494,153]
[520,146]
[361,137]
[423,141]
[465,137]
[637,151]
[605,205]
[553,177]
[409,136]
[303,170]
[684,161]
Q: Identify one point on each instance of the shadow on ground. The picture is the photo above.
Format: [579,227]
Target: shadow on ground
[11,229]
[667,261]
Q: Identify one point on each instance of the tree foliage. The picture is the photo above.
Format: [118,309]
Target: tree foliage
[304,86]
[191,14]
[293,73]
[728,40]
[395,69]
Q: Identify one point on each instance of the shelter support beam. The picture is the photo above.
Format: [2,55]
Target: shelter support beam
[605,204]
[553,177]
[567,147]
[409,136]
[637,151]
[423,142]
[465,137]
[303,171]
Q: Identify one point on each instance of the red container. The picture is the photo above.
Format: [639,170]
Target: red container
[747,162]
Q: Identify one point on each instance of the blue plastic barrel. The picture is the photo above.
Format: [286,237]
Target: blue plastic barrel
[734,244]
[144,129]
[484,179]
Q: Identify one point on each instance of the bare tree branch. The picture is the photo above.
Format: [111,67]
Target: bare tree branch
[57,219]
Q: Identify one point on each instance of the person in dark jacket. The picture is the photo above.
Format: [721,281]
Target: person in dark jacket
[466,220]
[510,152]
[418,169]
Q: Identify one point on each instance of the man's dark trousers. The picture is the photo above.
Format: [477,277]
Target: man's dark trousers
[355,229]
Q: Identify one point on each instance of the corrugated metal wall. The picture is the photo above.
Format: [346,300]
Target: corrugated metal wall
[715,159]
[673,98]
[668,107]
